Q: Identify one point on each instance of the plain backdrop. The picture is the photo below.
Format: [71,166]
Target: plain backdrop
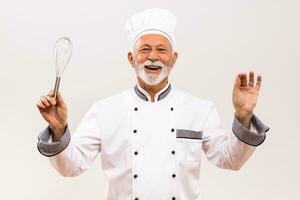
[215,40]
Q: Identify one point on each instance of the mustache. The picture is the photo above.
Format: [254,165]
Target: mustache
[155,63]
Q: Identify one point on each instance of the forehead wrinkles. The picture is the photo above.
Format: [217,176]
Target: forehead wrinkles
[153,40]
[136,48]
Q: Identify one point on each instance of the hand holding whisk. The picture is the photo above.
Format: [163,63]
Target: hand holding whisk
[62,54]
[52,106]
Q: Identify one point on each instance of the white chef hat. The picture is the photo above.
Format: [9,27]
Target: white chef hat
[155,21]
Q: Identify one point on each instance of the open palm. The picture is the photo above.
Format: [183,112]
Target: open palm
[245,93]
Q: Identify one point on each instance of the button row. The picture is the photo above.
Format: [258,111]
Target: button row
[135,131]
[136,152]
[173,198]
[135,176]
[136,109]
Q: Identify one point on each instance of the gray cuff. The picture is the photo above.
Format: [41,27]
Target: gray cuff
[250,137]
[52,148]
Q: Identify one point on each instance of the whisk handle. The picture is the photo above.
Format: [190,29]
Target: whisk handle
[56,87]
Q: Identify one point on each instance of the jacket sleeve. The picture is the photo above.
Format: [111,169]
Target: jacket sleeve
[72,155]
[231,151]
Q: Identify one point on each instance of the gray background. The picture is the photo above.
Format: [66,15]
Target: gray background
[215,41]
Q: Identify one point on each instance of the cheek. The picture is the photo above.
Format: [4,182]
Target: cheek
[166,60]
[140,58]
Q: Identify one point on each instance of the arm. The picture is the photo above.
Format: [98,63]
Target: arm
[70,156]
[232,151]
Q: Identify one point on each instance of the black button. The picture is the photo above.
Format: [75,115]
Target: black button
[134,131]
[172,108]
[173,152]
[136,198]
[135,176]
[173,175]
[135,153]
[135,109]
[173,198]
[172,130]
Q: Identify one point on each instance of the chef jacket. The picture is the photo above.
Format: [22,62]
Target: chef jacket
[152,150]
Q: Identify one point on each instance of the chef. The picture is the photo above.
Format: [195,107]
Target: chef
[151,136]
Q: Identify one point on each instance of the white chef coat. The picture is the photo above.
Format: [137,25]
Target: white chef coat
[152,150]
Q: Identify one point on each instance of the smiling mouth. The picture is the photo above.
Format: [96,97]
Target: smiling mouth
[152,67]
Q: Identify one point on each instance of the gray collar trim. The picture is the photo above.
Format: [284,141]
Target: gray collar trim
[140,94]
[164,93]
[160,97]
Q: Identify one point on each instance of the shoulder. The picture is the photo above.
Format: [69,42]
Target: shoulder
[192,107]
[114,101]
[190,100]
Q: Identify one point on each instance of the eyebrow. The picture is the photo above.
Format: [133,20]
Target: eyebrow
[144,45]
[147,45]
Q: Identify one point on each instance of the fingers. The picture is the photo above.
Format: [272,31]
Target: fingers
[43,103]
[60,100]
[258,82]
[243,78]
[46,101]
[51,93]
[237,83]
[251,79]
[50,98]
[40,105]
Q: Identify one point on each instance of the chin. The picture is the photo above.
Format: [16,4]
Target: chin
[154,82]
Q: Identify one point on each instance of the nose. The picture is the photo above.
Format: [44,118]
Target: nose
[153,56]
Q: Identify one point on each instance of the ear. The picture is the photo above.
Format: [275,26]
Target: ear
[130,58]
[174,58]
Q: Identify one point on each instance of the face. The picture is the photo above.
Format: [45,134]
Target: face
[152,58]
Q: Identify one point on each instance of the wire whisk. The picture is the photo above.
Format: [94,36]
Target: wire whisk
[62,54]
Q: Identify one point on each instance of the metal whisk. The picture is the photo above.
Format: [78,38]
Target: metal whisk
[62,54]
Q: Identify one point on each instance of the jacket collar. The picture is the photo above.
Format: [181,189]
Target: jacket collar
[143,94]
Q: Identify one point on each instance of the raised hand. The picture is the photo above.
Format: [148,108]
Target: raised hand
[245,95]
[54,111]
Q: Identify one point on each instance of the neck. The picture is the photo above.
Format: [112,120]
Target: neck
[152,89]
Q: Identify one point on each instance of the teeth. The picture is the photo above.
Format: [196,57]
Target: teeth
[152,67]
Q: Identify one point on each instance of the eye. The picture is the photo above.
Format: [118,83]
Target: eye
[162,49]
[144,49]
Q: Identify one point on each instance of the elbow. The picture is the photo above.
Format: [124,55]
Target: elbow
[230,165]
[236,167]
[63,174]
[68,174]
[65,169]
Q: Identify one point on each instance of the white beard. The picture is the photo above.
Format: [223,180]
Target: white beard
[149,78]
